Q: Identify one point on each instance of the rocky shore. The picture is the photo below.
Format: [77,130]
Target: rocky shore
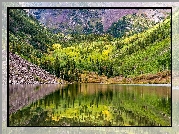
[159,78]
[23,72]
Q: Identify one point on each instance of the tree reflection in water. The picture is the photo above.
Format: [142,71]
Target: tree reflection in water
[98,105]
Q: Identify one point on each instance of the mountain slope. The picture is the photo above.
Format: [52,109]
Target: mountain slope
[74,55]
[86,21]
[147,52]
[24,28]
[129,25]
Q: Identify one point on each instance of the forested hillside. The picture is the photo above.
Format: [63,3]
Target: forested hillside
[135,50]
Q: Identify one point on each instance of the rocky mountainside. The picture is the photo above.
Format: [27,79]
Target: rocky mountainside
[89,20]
[24,72]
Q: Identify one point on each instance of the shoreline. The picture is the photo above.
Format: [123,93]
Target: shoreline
[166,85]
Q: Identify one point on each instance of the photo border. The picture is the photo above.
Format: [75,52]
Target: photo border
[8,8]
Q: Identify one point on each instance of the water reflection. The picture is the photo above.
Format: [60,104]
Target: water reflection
[22,95]
[96,105]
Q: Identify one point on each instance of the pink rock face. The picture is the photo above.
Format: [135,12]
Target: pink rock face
[113,15]
[52,18]
[65,19]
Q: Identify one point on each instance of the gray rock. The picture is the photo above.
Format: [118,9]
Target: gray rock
[19,72]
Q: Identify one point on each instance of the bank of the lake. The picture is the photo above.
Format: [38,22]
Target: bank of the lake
[163,77]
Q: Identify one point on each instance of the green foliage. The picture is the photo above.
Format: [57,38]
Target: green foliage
[67,56]
[147,52]
[28,30]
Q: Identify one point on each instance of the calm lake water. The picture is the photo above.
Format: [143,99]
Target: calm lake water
[89,105]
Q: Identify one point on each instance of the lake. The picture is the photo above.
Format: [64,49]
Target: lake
[89,104]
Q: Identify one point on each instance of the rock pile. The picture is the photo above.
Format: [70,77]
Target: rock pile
[24,72]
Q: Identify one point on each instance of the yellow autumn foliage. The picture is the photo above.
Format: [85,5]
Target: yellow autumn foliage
[56,46]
